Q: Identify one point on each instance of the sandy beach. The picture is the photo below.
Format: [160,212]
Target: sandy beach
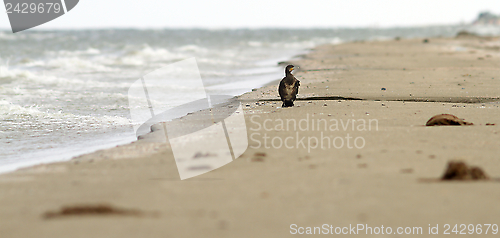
[380,165]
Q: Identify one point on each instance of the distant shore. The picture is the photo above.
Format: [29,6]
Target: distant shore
[338,173]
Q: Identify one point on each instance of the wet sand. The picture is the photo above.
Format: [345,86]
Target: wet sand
[391,181]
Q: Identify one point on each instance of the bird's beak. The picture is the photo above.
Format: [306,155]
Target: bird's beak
[292,69]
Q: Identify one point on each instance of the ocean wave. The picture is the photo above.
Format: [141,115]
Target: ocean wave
[28,117]
[7,36]
[94,60]
[32,78]
[336,41]
[214,73]
[24,85]
[71,64]
[8,73]
[380,38]
[295,45]
[88,51]
[485,30]
[307,44]
[145,55]
[218,61]
[255,43]
[192,48]
[256,71]
[9,110]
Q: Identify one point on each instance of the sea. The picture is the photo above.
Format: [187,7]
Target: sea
[63,93]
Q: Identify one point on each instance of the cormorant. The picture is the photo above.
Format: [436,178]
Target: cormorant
[289,87]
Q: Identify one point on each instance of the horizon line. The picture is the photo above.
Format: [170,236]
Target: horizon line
[239,28]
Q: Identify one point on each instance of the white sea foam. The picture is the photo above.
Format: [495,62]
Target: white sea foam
[72,63]
[88,51]
[255,43]
[10,111]
[36,122]
[380,38]
[485,30]
[6,72]
[193,48]
[7,36]
[147,54]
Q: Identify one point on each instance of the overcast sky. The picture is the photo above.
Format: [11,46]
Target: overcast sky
[266,13]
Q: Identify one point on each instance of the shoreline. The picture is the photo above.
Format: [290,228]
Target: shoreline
[272,188]
[85,151]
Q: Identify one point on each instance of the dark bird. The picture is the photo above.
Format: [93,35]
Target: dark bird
[289,87]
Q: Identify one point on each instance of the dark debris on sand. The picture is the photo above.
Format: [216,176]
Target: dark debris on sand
[458,170]
[96,210]
[447,120]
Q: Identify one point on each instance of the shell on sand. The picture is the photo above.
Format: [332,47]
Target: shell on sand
[447,120]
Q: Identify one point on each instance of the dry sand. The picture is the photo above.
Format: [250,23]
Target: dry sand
[391,181]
